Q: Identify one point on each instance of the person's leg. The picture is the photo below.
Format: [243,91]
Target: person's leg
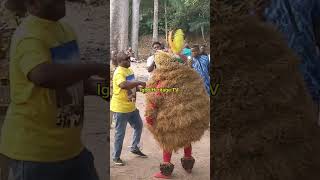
[188,161]
[4,167]
[26,170]
[137,124]
[120,130]
[166,156]
[83,167]
[111,119]
[166,168]
[80,167]
[188,151]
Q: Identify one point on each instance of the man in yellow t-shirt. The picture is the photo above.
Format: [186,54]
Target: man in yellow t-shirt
[123,105]
[41,134]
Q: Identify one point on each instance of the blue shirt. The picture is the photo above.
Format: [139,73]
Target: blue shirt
[296,19]
[201,65]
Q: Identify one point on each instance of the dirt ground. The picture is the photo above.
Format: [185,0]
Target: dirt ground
[143,168]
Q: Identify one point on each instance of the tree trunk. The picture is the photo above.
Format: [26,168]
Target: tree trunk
[114,25]
[166,20]
[119,18]
[107,41]
[124,23]
[155,20]
[202,33]
[135,26]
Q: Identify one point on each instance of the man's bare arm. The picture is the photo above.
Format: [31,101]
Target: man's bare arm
[63,75]
[131,84]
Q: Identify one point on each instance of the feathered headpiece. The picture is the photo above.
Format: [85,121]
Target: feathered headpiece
[176,41]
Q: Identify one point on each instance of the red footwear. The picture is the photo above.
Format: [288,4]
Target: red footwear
[165,171]
[161,176]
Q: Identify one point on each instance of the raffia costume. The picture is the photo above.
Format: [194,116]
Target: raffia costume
[264,125]
[179,115]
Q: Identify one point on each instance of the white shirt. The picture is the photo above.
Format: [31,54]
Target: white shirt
[150,60]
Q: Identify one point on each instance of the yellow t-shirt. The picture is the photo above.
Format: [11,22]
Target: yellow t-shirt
[120,101]
[42,125]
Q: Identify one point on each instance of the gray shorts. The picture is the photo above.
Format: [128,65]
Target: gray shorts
[78,168]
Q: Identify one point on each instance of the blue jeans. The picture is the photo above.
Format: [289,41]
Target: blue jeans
[78,168]
[121,120]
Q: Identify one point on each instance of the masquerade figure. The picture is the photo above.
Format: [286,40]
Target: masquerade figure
[177,111]
[264,125]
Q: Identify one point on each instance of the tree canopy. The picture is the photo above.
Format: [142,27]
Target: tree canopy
[189,15]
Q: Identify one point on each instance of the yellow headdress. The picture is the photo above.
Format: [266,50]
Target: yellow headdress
[176,43]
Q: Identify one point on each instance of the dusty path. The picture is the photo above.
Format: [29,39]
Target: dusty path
[143,169]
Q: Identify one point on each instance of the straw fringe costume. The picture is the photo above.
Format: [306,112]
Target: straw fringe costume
[177,111]
[263,121]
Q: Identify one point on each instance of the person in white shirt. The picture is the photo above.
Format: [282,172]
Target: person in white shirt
[150,61]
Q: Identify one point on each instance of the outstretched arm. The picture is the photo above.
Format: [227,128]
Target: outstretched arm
[36,64]
[55,76]
[131,84]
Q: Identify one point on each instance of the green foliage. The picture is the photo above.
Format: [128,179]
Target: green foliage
[189,15]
